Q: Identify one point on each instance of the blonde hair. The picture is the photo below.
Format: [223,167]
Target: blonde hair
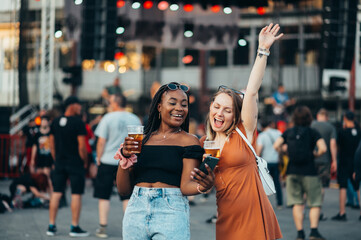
[237,102]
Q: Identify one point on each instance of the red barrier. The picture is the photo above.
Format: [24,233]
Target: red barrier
[12,155]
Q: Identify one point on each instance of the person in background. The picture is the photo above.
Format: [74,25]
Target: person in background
[89,138]
[352,199]
[357,171]
[280,101]
[159,176]
[29,131]
[265,149]
[302,178]
[244,210]
[41,150]
[68,148]
[36,183]
[111,132]
[347,141]
[112,89]
[326,163]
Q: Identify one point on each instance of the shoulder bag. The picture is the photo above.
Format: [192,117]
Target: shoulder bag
[266,178]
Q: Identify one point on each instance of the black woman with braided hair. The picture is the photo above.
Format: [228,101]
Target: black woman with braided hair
[159,178]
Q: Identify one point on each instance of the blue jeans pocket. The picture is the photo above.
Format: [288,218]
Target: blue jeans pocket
[177,203]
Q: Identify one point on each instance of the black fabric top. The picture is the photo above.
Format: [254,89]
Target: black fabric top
[42,142]
[66,131]
[305,148]
[347,141]
[30,133]
[164,163]
[24,180]
[357,163]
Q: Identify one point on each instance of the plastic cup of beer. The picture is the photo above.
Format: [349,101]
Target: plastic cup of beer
[212,147]
[136,132]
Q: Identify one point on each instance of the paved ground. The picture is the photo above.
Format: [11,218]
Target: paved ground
[32,223]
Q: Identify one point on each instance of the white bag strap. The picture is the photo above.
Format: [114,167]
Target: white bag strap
[246,140]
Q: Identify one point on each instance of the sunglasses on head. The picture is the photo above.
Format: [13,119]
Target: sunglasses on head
[240,93]
[173,86]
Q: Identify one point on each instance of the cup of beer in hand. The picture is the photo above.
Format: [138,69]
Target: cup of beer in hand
[136,132]
[212,147]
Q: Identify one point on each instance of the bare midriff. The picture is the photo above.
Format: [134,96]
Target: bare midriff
[155,185]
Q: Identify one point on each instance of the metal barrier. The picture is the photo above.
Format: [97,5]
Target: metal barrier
[13,155]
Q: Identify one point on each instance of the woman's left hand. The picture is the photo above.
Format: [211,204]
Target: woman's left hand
[206,181]
[267,36]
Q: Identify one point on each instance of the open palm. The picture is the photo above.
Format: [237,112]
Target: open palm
[267,36]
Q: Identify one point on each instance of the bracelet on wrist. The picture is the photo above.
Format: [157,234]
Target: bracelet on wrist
[121,151]
[263,51]
[200,191]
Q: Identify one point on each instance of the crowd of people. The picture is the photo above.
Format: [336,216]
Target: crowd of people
[155,184]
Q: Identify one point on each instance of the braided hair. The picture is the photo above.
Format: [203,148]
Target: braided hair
[154,121]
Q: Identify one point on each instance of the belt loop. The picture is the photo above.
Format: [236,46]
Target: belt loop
[163,192]
[136,190]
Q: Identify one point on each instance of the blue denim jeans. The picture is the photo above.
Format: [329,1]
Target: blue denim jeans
[352,198]
[273,169]
[157,214]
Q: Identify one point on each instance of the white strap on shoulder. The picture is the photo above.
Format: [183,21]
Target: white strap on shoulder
[246,140]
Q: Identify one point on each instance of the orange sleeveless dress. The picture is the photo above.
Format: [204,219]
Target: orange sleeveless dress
[244,211]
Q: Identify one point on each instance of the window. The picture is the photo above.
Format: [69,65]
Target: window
[191,57]
[170,57]
[65,56]
[288,51]
[241,54]
[312,47]
[217,58]
[315,28]
[241,51]
[289,30]
[149,57]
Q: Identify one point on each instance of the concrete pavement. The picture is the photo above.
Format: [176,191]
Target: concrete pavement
[32,223]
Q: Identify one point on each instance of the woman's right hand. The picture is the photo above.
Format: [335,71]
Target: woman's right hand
[129,146]
[205,181]
[268,35]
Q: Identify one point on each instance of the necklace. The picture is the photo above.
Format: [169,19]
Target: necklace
[165,137]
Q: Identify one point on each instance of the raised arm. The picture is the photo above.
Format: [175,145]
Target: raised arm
[249,113]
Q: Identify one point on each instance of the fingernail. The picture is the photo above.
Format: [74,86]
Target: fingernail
[206,164]
[193,172]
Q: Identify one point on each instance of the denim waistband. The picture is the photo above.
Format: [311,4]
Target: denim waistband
[143,191]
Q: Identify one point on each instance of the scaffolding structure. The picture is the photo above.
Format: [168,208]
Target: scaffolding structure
[47,54]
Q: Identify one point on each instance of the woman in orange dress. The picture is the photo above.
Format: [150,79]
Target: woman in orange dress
[244,211]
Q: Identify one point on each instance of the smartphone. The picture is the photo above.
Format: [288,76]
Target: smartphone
[211,162]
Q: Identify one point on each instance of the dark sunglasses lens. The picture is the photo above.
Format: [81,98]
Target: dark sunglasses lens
[172,86]
[184,88]
[222,87]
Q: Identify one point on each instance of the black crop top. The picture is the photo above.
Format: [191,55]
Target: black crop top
[164,163]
